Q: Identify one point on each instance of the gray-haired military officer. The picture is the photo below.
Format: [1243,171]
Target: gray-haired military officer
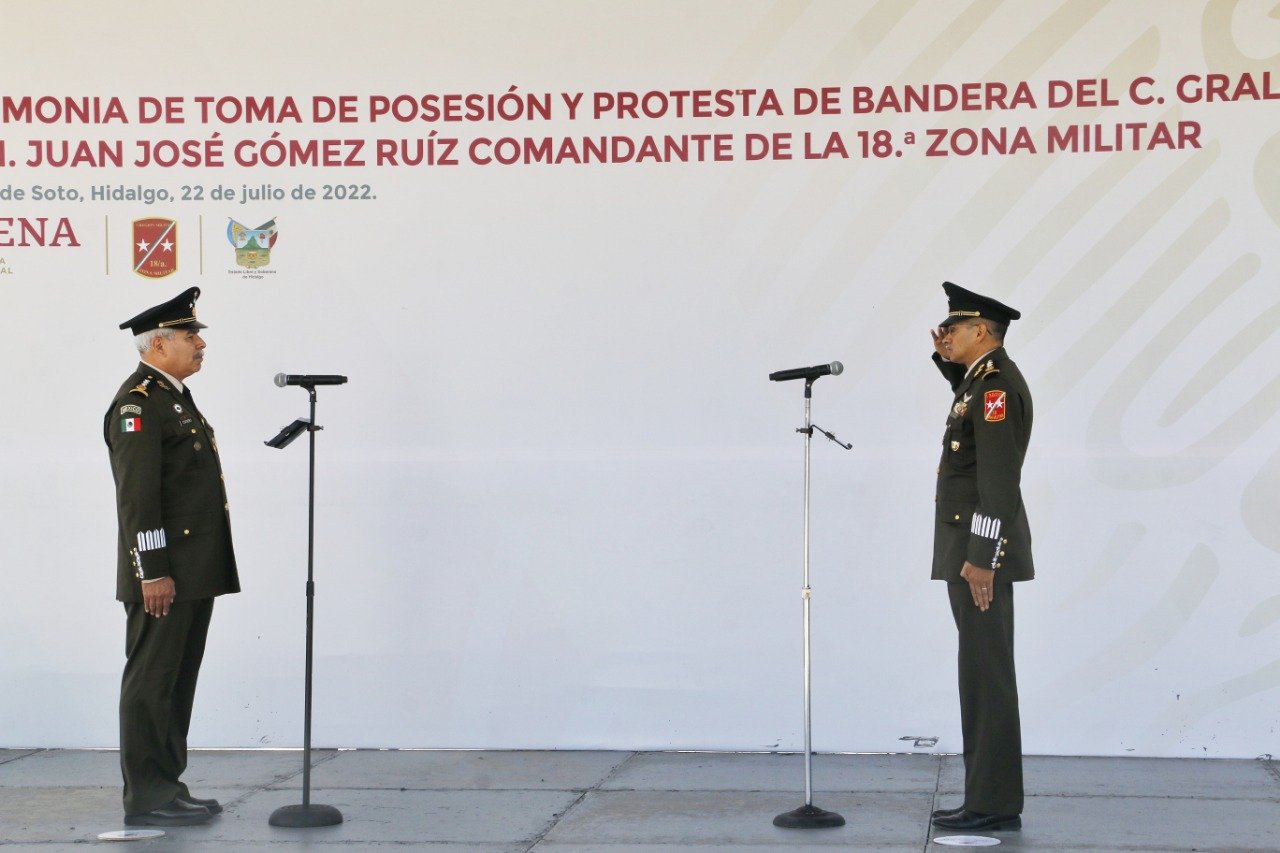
[175,557]
[981,546]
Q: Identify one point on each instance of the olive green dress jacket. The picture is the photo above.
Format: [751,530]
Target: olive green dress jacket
[980,517]
[171,501]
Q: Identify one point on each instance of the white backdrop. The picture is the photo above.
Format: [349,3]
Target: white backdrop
[559,502]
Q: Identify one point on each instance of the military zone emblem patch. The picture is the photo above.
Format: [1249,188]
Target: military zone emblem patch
[994,405]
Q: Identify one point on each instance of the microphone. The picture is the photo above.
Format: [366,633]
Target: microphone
[835,368]
[309,380]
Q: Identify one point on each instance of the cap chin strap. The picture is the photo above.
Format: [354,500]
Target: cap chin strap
[965,314]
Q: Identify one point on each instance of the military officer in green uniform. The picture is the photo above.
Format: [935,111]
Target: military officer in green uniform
[175,557]
[981,546]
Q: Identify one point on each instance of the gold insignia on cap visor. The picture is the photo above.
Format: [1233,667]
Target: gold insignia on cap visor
[963,303]
[190,319]
[178,312]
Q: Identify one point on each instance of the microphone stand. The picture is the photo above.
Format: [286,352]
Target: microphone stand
[308,814]
[808,816]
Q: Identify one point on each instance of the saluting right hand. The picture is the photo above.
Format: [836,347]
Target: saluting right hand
[937,342]
[157,596]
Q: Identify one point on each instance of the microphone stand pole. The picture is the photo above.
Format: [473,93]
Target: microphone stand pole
[807,816]
[308,814]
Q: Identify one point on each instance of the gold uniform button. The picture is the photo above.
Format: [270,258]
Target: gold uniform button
[186,533]
[957,518]
[193,430]
[1002,553]
[226,507]
[997,565]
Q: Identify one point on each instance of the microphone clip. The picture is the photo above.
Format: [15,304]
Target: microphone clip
[830,436]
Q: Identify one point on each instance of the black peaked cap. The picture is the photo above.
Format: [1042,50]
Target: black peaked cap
[178,313]
[965,304]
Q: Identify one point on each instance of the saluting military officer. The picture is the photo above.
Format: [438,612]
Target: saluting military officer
[175,557]
[981,546]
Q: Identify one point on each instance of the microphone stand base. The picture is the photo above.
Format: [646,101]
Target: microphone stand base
[302,817]
[808,817]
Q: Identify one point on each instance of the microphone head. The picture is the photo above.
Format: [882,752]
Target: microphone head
[836,368]
[281,380]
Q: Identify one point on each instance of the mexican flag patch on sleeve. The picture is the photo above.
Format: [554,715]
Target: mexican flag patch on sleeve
[131,424]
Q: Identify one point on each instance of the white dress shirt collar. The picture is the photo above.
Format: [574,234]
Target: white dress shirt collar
[979,360]
[176,383]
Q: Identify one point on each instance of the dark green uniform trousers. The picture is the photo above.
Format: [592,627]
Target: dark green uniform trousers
[156,695]
[988,701]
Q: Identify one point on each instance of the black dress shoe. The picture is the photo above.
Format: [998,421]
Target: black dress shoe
[967,821]
[172,813]
[946,812]
[213,806]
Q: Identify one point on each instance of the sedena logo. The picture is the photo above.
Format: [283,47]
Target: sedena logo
[36,231]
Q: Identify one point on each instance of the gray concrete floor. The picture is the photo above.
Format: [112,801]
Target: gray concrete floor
[512,802]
